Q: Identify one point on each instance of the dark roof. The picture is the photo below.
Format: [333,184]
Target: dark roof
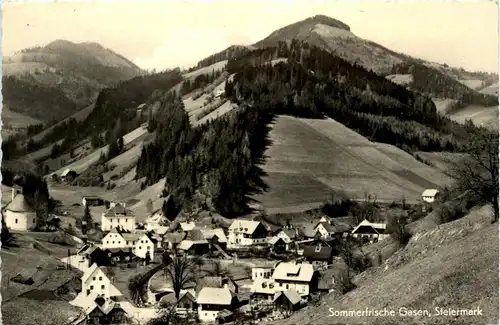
[326,225]
[195,235]
[318,253]
[174,237]
[208,282]
[369,230]
[118,211]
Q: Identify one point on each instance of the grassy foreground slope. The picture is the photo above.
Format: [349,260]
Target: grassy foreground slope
[310,158]
[454,265]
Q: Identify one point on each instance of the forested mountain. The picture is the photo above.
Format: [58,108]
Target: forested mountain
[433,82]
[215,166]
[54,81]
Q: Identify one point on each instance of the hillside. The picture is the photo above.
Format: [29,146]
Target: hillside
[454,265]
[52,82]
[37,255]
[335,36]
[310,159]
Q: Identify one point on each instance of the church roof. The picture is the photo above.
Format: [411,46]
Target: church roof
[19,204]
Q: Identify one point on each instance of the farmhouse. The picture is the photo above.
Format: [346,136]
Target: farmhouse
[245,233]
[216,282]
[172,240]
[214,301]
[185,305]
[278,245]
[263,289]
[103,311]
[295,276]
[92,201]
[96,281]
[157,220]
[93,255]
[328,228]
[430,195]
[288,301]
[318,255]
[118,216]
[19,214]
[140,243]
[370,231]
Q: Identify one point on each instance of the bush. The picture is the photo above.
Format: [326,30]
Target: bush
[398,231]
[450,211]
[343,282]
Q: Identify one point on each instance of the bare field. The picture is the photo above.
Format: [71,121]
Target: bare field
[214,67]
[84,163]
[472,83]
[491,89]
[12,119]
[484,116]
[310,159]
[401,79]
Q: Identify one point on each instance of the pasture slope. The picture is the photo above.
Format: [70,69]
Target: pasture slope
[453,265]
[310,159]
[479,115]
[33,255]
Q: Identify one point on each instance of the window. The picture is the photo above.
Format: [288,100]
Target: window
[139,247]
[107,241]
[34,220]
[126,220]
[102,287]
[91,287]
[147,248]
[100,278]
[93,278]
[113,242]
[287,285]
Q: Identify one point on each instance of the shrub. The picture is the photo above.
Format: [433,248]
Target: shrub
[343,282]
[450,211]
[398,231]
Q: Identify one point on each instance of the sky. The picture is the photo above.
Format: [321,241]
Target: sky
[172,33]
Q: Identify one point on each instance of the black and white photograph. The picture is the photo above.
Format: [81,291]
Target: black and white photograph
[250,162]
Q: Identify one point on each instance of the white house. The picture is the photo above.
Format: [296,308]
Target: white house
[212,301]
[145,244]
[156,221]
[246,233]
[263,289]
[262,272]
[370,231]
[118,216]
[430,195]
[294,276]
[19,214]
[140,242]
[96,281]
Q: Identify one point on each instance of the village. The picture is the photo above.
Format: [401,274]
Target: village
[203,268]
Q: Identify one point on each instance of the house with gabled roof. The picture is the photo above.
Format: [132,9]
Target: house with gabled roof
[319,255]
[246,233]
[156,220]
[263,289]
[430,195]
[329,228]
[300,277]
[216,302]
[118,216]
[288,301]
[95,280]
[104,311]
[370,231]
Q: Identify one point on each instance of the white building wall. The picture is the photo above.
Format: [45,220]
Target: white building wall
[238,240]
[98,283]
[207,315]
[261,272]
[20,221]
[144,245]
[114,240]
[108,223]
[301,288]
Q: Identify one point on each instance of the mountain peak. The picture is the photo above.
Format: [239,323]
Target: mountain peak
[329,21]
